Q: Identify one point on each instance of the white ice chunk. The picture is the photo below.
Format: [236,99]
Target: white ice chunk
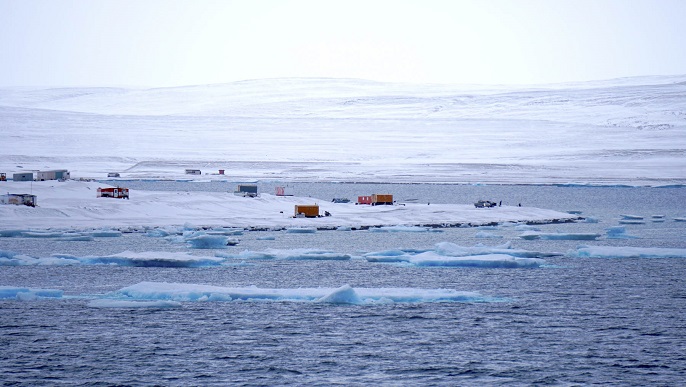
[197,292]
[42,234]
[626,252]
[301,230]
[152,259]
[208,242]
[343,295]
[399,229]
[25,294]
[485,260]
[532,235]
[288,254]
[106,233]
[631,221]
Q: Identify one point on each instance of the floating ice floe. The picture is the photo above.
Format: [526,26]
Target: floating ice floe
[266,238]
[532,235]
[26,294]
[127,258]
[631,219]
[341,295]
[301,230]
[207,241]
[399,229]
[626,252]
[42,234]
[288,254]
[618,232]
[106,233]
[430,258]
[225,231]
[451,255]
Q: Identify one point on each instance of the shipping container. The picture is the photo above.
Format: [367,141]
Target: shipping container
[307,210]
[57,174]
[24,176]
[248,190]
[378,199]
[364,200]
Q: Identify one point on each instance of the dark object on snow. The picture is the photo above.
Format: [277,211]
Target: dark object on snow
[485,204]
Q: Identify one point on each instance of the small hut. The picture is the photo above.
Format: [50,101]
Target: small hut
[306,211]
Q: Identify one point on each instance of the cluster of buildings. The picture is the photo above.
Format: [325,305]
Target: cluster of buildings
[245,190]
[30,199]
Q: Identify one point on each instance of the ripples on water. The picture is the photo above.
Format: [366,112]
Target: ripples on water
[577,321]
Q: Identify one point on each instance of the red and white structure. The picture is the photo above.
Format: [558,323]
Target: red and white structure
[117,193]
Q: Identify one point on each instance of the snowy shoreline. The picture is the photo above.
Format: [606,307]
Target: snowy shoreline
[74,205]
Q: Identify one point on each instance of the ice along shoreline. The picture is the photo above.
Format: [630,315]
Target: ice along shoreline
[74,205]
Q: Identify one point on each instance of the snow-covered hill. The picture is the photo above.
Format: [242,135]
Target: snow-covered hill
[630,131]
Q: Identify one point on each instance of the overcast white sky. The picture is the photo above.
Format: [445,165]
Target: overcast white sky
[173,43]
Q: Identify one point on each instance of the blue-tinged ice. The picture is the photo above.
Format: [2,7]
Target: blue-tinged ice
[76,237]
[266,238]
[152,259]
[487,235]
[148,291]
[106,233]
[343,295]
[533,235]
[301,230]
[209,242]
[618,232]
[11,233]
[484,260]
[127,258]
[8,258]
[626,252]
[126,304]
[288,254]
[42,234]
[448,254]
[27,294]
[631,221]
[631,217]
[454,250]
[228,231]
[526,227]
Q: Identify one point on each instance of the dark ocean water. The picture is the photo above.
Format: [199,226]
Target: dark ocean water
[575,321]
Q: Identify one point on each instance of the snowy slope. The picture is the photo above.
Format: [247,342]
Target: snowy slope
[629,131]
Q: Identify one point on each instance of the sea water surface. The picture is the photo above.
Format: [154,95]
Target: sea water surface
[608,321]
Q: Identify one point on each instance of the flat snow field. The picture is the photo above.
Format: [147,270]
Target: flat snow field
[73,204]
